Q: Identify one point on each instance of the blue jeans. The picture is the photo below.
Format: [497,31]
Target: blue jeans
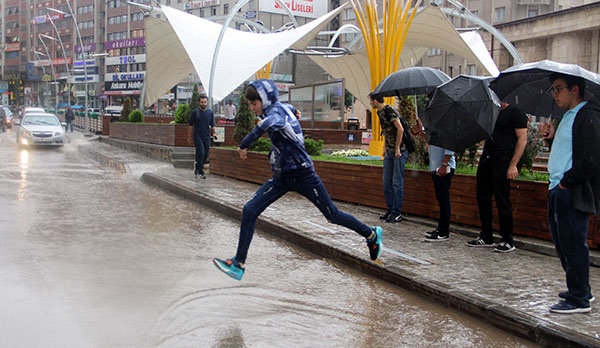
[202,152]
[569,230]
[69,124]
[393,180]
[308,185]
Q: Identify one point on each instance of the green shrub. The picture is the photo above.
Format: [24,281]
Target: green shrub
[182,114]
[261,145]
[313,147]
[136,116]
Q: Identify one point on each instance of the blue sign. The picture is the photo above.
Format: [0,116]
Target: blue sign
[250,14]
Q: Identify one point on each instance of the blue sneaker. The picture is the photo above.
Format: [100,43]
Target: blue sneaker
[230,267]
[375,243]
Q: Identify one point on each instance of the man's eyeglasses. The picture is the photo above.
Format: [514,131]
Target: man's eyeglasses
[557,89]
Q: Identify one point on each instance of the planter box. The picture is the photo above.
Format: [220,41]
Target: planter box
[362,184]
[153,133]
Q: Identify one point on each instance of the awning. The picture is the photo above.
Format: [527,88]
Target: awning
[186,43]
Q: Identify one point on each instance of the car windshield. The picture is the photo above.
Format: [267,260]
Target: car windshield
[40,120]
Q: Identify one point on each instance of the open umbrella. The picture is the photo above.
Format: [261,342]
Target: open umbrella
[409,81]
[461,112]
[527,86]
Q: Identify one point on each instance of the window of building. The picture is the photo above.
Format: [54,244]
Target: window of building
[225,9]
[12,55]
[213,11]
[86,25]
[434,52]
[12,10]
[138,16]
[251,5]
[350,14]
[533,11]
[471,69]
[201,12]
[500,14]
[137,33]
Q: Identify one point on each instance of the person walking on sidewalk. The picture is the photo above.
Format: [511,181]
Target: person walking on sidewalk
[497,167]
[293,170]
[203,121]
[441,165]
[394,158]
[69,118]
[574,190]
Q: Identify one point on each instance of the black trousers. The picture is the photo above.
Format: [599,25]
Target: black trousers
[492,181]
[442,194]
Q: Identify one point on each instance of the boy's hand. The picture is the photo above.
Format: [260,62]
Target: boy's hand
[243,153]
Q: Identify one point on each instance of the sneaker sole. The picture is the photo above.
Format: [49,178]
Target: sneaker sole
[571,311]
[436,239]
[226,270]
[482,245]
[505,251]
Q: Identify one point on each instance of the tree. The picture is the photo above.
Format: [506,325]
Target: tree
[194,101]
[126,110]
[244,118]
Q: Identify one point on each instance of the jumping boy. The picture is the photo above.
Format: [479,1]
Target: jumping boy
[292,171]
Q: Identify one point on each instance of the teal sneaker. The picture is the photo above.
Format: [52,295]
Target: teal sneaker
[375,243]
[230,267]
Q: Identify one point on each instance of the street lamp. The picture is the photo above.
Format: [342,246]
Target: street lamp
[84,55]
[53,73]
[64,56]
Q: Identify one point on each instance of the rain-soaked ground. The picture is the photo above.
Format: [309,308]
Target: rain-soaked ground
[90,257]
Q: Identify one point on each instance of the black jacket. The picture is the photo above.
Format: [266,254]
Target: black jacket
[584,176]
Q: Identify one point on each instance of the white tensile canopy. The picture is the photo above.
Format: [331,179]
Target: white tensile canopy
[186,42]
[429,28]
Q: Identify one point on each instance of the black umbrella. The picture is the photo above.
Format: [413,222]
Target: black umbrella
[461,112]
[527,86]
[409,81]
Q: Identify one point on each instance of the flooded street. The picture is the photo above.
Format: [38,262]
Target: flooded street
[90,257]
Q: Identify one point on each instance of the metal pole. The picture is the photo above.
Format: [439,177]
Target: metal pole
[64,57]
[84,55]
[53,74]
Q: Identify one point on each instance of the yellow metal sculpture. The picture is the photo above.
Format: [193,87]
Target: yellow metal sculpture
[384,43]
[264,72]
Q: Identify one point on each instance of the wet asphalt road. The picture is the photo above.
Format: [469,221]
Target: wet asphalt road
[90,257]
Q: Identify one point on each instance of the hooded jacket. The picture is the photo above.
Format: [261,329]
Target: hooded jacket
[288,155]
[584,176]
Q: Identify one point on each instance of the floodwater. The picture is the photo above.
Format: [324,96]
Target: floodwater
[90,257]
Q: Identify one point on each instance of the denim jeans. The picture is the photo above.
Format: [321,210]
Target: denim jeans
[308,185]
[442,194]
[202,152]
[569,230]
[69,125]
[393,180]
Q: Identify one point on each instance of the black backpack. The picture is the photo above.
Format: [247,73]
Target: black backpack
[407,139]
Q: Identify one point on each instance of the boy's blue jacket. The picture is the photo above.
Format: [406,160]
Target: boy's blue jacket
[287,154]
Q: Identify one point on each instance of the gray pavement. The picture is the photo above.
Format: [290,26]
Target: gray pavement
[511,291]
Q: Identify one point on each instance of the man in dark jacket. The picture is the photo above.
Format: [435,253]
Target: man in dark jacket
[69,118]
[574,169]
[203,121]
[293,170]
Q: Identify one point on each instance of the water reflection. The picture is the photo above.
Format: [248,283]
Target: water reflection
[24,171]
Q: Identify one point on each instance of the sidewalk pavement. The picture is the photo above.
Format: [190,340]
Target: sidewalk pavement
[511,291]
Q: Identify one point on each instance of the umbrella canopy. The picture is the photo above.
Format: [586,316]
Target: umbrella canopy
[409,81]
[527,86]
[461,112]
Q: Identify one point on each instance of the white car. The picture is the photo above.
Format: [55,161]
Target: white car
[40,129]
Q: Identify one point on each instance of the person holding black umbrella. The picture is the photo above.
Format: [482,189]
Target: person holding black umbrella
[497,167]
[394,159]
[574,190]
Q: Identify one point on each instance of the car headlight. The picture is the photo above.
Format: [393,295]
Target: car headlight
[58,133]
[26,133]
